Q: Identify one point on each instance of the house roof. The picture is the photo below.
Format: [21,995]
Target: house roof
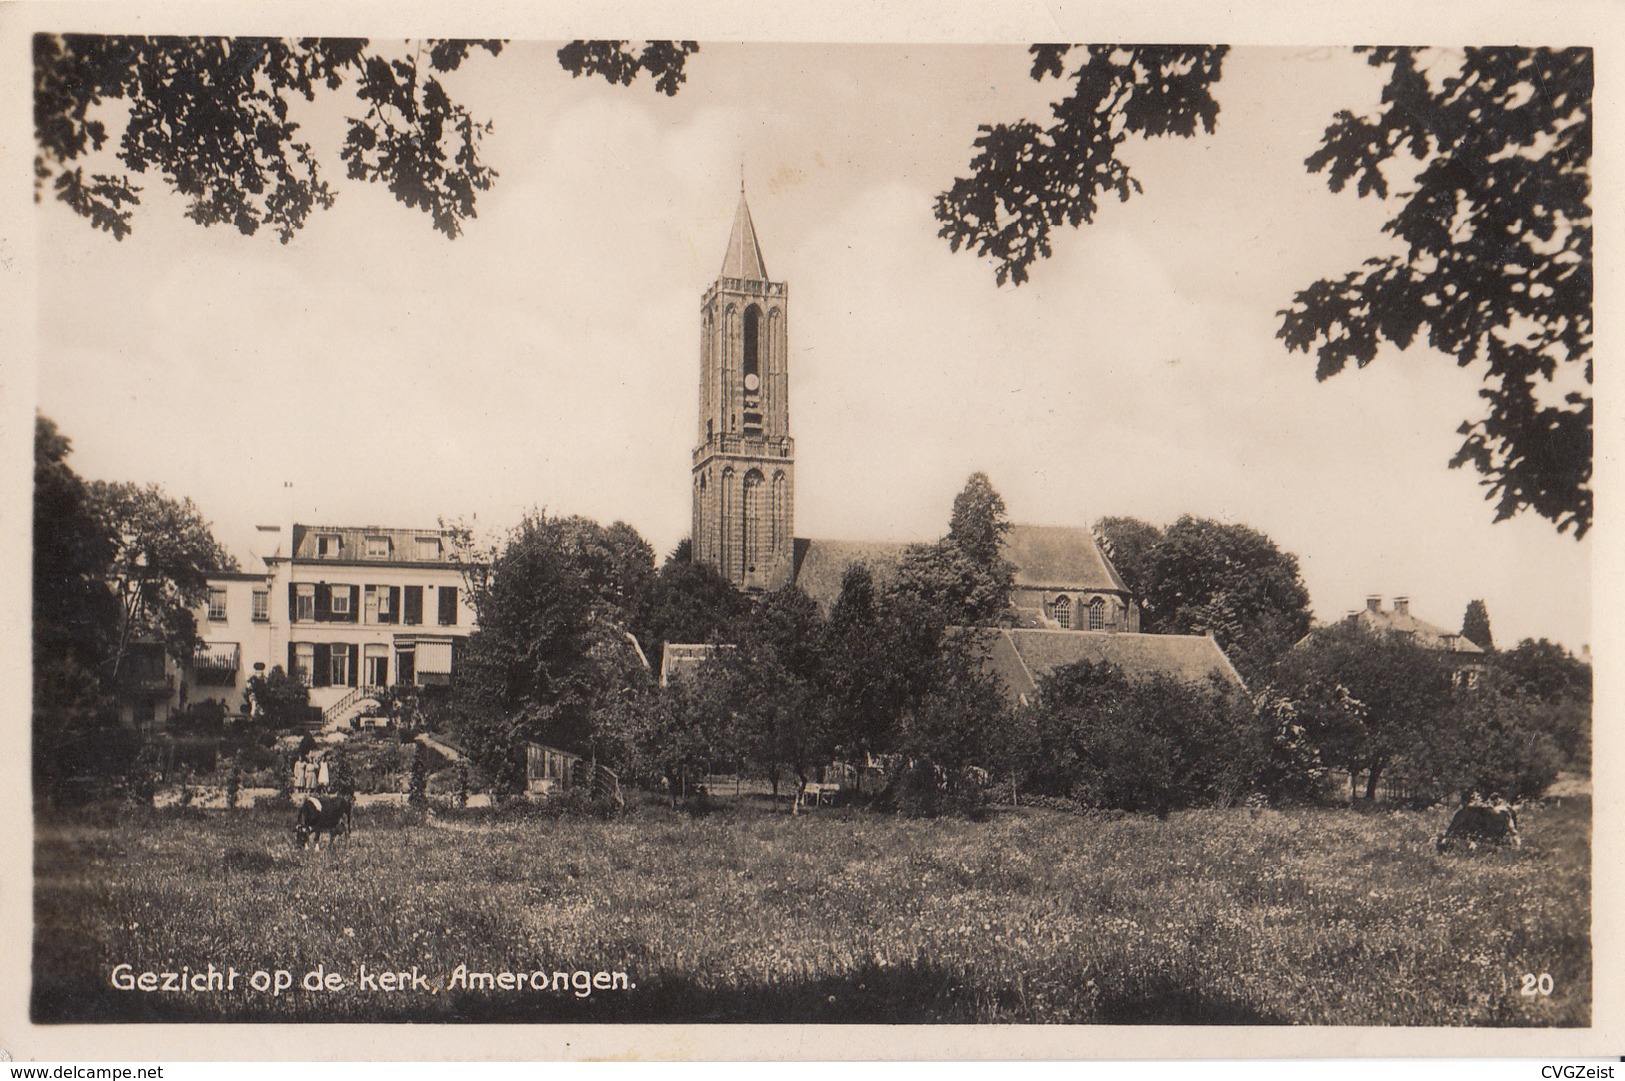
[1425,633]
[744,255]
[1022,658]
[402,544]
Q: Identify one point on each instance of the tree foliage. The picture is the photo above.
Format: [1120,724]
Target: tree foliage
[1155,744]
[214,118]
[162,554]
[551,648]
[1027,180]
[1475,626]
[1201,576]
[1487,158]
[1496,233]
[965,574]
[1368,698]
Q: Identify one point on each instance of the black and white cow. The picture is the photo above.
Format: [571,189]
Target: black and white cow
[319,815]
[1492,821]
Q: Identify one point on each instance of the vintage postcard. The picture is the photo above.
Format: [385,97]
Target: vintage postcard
[1042,537]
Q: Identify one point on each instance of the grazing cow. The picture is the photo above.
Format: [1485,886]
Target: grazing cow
[1492,821]
[319,815]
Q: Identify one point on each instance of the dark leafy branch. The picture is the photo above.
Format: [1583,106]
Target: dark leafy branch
[1496,267]
[1027,180]
[211,117]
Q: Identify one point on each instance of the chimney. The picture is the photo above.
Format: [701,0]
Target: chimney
[268,542]
[1373,603]
[1402,606]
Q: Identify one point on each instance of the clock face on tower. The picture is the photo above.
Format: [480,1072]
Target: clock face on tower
[752,381]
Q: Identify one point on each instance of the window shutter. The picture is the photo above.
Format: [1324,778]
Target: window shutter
[448,606]
[354,666]
[414,604]
[293,611]
[290,668]
[355,604]
[324,603]
[394,605]
[323,665]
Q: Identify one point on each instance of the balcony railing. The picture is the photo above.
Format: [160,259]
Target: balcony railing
[755,446]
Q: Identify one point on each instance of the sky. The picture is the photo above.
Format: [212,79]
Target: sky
[549,357]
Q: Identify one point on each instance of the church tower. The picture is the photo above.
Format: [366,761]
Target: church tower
[744,465]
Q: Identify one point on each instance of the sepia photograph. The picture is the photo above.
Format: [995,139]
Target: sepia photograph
[579,531]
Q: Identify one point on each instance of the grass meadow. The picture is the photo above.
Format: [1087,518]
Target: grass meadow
[1307,916]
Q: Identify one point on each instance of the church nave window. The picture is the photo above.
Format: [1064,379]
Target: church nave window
[1062,611]
[1097,614]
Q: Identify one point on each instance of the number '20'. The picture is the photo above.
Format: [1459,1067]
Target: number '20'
[1537,985]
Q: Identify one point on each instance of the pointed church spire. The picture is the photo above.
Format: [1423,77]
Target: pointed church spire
[744,258]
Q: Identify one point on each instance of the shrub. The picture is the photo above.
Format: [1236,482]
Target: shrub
[1155,744]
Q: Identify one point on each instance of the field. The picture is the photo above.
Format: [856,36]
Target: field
[1208,917]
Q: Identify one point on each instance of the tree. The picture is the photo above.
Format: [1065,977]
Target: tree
[276,699]
[1475,626]
[690,602]
[1027,180]
[1367,699]
[1129,543]
[965,574]
[1201,576]
[1495,225]
[163,554]
[212,117]
[75,617]
[979,523]
[1155,744]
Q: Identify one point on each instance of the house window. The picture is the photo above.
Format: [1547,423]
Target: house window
[304,662]
[1062,611]
[414,605]
[1097,614]
[448,606]
[262,606]
[341,600]
[429,549]
[340,666]
[217,602]
[377,547]
[328,547]
[304,602]
[386,604]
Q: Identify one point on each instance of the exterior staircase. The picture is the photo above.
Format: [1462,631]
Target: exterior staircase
[341,712]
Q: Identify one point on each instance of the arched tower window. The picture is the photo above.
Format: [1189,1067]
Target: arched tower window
[725,522]
[1061,610]
[752,342]
[751,368]
[780,514]
[1097,614]
[752,508]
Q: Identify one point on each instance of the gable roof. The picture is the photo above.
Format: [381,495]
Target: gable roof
[1022,658]
[1059,557]
[1045,557]
[744,256]
[821,564]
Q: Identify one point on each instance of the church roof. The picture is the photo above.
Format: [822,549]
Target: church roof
[1022,658]
[821,564]
[1059,557]
[1045,557]
[744,257]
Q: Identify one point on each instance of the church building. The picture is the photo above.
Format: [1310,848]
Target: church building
[743,492]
